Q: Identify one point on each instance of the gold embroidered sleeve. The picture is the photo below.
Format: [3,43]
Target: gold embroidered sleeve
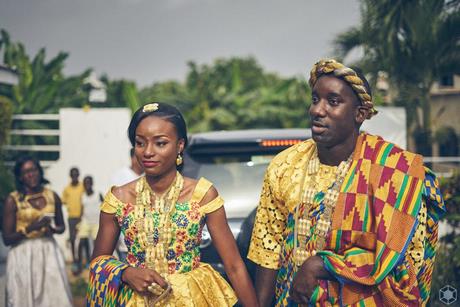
[212,206]
[269,225]
[111,203]
[416,248]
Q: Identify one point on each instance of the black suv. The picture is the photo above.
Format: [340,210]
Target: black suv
[235,161]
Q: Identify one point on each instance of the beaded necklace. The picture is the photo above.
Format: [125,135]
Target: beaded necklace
[303,227]
[164,205]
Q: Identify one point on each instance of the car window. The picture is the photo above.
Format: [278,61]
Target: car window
[237,179]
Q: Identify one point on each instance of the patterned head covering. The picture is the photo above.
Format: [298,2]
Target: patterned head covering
[330,66]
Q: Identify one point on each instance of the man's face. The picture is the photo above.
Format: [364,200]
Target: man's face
[74,174]
[333,112]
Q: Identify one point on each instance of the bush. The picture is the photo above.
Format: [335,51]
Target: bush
[447,263]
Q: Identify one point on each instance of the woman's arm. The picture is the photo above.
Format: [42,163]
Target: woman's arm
[10,235]
[107,235]
[226,246]
[106,240]
[58,217]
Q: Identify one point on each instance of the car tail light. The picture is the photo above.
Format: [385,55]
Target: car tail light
[277,143]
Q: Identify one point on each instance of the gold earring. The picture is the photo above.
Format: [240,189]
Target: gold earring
[179,159]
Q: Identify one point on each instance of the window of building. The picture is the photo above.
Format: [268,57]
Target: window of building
[447,80]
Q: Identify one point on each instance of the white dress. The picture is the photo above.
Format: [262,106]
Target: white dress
[35,268]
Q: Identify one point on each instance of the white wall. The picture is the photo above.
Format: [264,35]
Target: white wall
[96,142]
[389,123]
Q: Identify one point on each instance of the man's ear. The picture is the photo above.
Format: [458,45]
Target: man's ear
[361,114]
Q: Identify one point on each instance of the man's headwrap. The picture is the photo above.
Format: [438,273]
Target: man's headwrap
[330,66]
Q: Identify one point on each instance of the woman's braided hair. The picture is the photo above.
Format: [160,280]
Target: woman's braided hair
[330,66]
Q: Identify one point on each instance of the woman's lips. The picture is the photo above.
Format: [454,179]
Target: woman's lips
[150,163]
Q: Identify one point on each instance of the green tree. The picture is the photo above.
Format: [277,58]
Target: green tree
[415,42]
[447,263]
[42,87]
[234,93]
[121,93]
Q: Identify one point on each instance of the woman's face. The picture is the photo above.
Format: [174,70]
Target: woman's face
[30,175]
[157,145]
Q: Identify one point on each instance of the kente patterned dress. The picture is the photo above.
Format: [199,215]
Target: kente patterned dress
[193,283]
[35,267]
[373,220]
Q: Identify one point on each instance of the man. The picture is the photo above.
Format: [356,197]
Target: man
[128,173]
[72,198]
[345,218]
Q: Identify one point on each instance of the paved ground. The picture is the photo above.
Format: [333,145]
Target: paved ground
[2,284]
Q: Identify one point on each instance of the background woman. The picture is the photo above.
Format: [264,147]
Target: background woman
[162,215]
[35,269]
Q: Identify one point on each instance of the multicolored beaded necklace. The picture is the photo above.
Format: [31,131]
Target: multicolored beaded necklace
[303,227]
[164,205]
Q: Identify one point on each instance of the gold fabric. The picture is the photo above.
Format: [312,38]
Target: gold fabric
[26,213]
[202,286]
[416,249]
[198,288]
[111,203]
[281,194]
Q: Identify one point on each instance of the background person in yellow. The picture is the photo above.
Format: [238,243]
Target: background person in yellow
[71,197]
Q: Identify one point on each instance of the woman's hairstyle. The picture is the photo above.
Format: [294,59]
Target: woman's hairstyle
[164,111]
[20,161]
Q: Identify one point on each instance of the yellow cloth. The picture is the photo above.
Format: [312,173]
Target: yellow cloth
[200,287]
[87,230]
[26,214]
[280,196]
[111,204]
[72,198]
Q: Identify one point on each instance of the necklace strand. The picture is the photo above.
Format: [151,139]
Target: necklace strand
[303,227]
[163,206]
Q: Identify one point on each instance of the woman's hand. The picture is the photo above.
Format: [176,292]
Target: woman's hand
[140,279]
[39,224]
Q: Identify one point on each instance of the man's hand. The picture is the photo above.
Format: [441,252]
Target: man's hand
[307,278]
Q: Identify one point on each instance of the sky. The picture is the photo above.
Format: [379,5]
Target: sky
[149,41]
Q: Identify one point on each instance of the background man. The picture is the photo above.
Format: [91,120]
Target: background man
[71,197]
[346,217]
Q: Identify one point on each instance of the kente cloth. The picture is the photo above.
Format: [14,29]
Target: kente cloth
[35,267]
[381,245]
[193,283]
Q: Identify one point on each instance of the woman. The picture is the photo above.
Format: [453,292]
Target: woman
[35,268]
[161,216]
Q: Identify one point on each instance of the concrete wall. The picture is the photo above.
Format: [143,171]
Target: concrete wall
[389,123]
[96,142]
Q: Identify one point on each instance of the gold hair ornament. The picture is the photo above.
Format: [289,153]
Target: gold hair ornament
[331,66]
[151,107]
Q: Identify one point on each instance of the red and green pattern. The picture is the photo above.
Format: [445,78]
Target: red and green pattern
[372,225]
[105,287]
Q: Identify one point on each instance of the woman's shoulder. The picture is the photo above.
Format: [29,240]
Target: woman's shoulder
[125,193]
